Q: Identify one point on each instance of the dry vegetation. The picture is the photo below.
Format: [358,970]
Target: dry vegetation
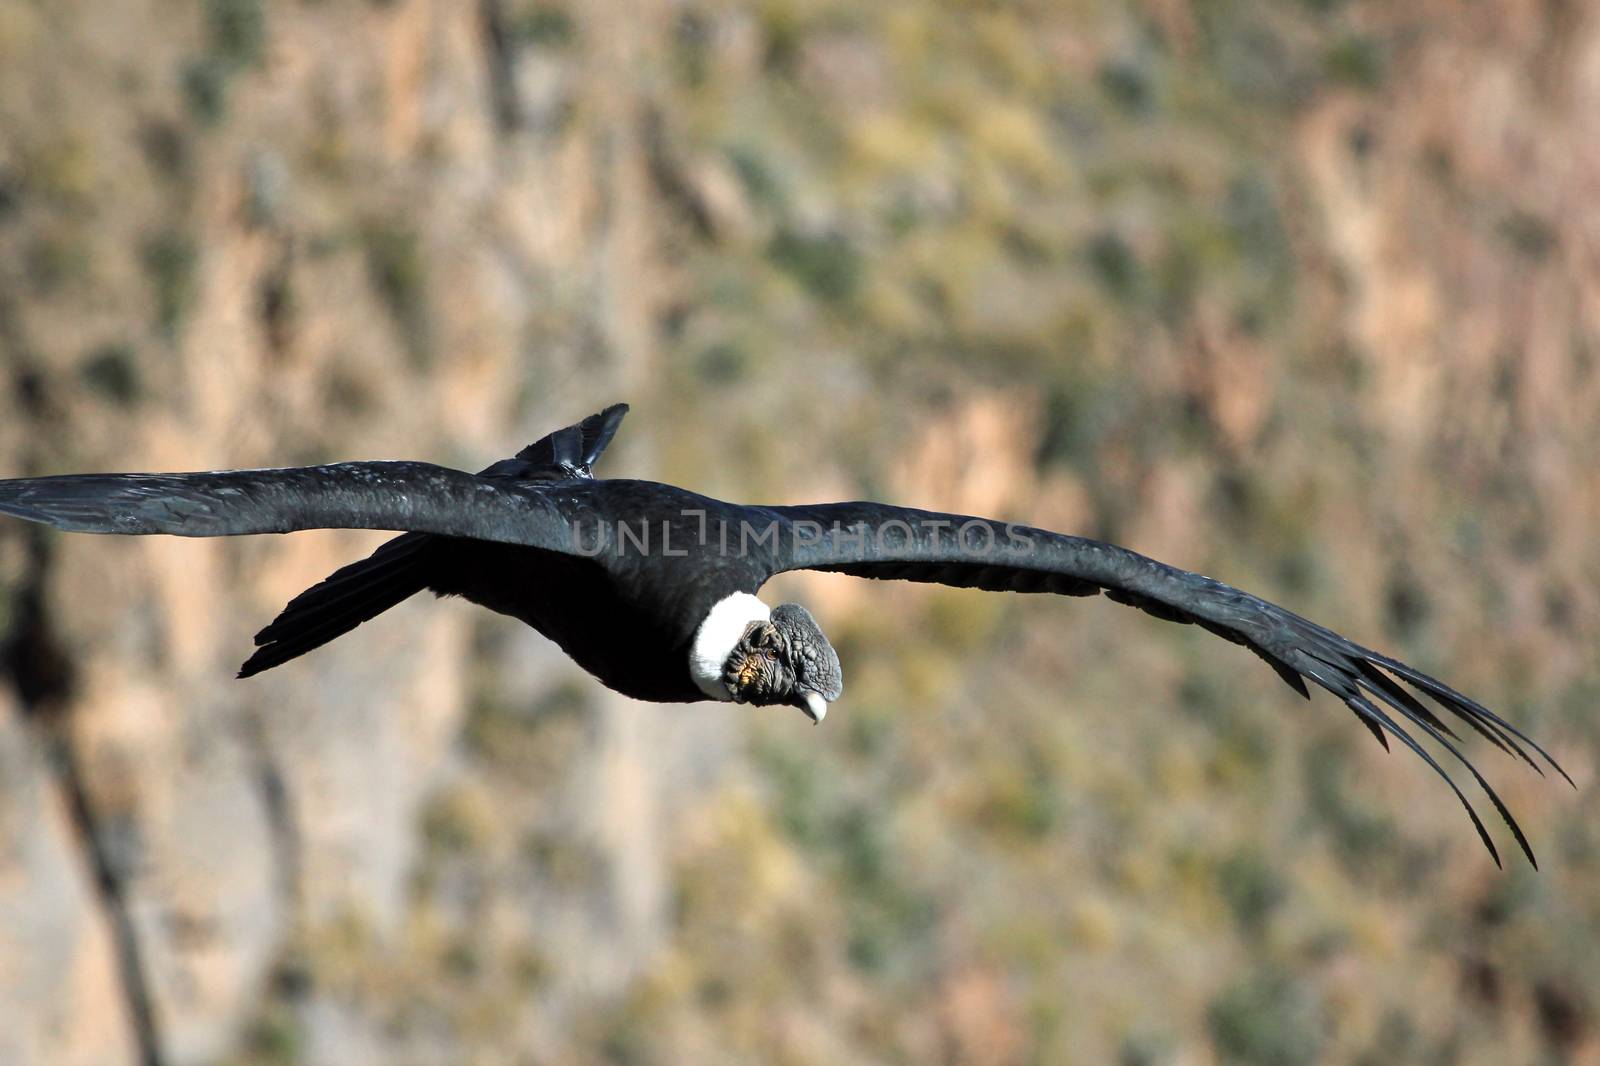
[1304,294]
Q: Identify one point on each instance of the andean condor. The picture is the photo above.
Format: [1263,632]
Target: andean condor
[652,588]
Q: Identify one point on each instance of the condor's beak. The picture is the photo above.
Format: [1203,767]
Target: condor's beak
[815,706]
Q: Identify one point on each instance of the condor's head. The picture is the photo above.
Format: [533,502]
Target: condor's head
[747,654]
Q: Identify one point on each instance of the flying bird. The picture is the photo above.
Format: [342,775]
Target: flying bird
[652,588]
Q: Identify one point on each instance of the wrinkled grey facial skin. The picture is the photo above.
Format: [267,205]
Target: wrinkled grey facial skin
[785,660]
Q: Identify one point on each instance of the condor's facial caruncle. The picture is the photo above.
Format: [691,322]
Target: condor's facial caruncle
[785,659]
[685,624]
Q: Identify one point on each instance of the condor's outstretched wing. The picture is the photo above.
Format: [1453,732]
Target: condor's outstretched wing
[406,496]
[879,541]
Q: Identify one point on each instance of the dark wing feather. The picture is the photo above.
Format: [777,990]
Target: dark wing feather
[406,496]
[569,452]
[878,541]
[576,447]
[338,603]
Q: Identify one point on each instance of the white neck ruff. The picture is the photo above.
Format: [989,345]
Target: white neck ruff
[716,638]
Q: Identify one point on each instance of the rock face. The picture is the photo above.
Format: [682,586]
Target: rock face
[59,978]
[1304,295]
[273,233]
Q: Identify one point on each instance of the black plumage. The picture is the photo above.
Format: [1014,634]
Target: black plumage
[414,561]
[625,575]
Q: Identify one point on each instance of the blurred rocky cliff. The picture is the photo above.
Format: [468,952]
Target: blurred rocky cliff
[1304,294]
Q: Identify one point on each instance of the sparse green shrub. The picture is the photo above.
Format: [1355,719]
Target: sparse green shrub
[1266,1019]
[827,265]
[170,259]
[112,370]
